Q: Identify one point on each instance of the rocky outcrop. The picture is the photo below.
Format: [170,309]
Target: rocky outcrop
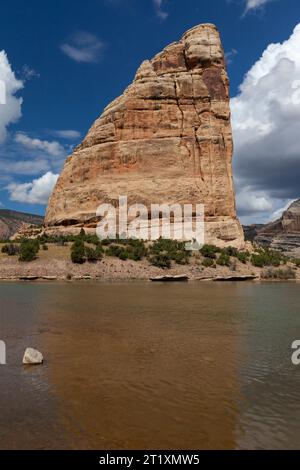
[12,221]
[167,139]
[283,234]
[27,231]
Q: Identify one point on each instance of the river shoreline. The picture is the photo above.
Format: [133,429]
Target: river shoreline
[115,270]
[54,264]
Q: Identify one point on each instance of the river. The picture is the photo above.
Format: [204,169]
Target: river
[150,366]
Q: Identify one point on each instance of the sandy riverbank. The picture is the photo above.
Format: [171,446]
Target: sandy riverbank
[55,264]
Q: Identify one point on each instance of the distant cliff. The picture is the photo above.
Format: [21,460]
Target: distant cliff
[12,221]
[282,235]
[251,231]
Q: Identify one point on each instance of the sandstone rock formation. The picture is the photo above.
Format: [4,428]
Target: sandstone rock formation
[27,231]
[12,221]
[283,234]
[167,139]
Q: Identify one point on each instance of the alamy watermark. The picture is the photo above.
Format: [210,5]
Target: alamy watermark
[171,221]
[2,92]
[296,353]
[2,353]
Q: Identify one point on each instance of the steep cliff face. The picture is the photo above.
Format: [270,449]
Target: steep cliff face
[283,234]
[167,139]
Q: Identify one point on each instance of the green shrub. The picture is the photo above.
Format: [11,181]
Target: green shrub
[43,239]
[172,249]
[11,249]
[258,260]
[92,256]
[124,249]
[283,274]
[167,245]
[107,242]
[99,251]
[124,255]
[60,240]
[180,257]
[223,260]
[208,263]
[29,250]
[160,260]
[209,251]
[136,249]
[231,251]
[78,252]
[92,239]
[297,262]
[265,257]
[117,252]
[243,256]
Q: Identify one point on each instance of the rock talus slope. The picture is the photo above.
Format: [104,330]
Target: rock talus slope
[167,139]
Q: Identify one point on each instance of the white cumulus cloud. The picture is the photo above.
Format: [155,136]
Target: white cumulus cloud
[10,104]
[36,192]
[84,47]
[53,148]
[265,117]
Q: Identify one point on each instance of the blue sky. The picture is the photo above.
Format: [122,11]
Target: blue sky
[64,61]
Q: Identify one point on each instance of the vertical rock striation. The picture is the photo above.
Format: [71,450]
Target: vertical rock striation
[167,139]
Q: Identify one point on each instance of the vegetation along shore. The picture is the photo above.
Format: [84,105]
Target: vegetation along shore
[84,257]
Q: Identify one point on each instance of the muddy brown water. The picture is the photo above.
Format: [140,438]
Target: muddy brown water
[150,366]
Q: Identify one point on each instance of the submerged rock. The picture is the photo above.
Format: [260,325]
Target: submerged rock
[33,357]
